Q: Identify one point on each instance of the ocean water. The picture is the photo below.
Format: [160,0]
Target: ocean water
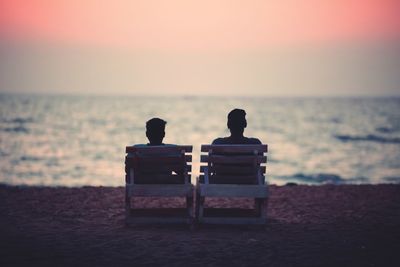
[80,140]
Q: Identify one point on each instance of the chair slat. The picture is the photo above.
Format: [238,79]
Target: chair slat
[221,169]
[234,148]
[158,160]
[159,179]
[232,159]
[163,190]
[233,179]
[239,179]
[232,169]
[188,159]
[211,190]
[154,168]
[158,149]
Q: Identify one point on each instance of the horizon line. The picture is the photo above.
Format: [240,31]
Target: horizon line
[108,94]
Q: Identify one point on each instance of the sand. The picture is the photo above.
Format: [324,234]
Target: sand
[330,225]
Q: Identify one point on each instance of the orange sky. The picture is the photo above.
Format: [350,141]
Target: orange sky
[193,25]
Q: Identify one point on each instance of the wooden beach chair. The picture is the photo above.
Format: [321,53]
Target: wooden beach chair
[232,171]
[158,171]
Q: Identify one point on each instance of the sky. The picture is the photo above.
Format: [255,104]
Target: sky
[267,48]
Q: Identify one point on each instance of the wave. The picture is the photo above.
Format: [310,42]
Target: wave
[17,129]
[323,178]
[336,120]
[30,158]
[384,130]
[368,138]
[19,120]
[392,179]
[357,180]
[320,178]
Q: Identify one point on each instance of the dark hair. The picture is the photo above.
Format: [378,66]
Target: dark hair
[155,124]
[155,130]
[237,119]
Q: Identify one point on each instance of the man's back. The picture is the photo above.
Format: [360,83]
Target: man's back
[236,141]
[236,125]
[155,132]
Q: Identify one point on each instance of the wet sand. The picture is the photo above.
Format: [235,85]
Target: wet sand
[342,225]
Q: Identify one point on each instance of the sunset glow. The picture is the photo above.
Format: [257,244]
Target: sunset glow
[199,25]
[285,48]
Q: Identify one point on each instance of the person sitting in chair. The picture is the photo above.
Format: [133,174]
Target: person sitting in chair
[236,124]
[155,133]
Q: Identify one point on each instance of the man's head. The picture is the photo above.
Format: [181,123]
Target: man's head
[237,121]
[155,130]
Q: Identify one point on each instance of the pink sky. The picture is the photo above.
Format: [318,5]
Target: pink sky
[235,47]
[193,25]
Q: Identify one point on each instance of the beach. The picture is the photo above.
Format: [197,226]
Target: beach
[328,225]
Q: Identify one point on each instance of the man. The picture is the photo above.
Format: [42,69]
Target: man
[236,124]
[155,131]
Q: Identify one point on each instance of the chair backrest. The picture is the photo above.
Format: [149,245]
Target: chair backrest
[158,164]
[233,164]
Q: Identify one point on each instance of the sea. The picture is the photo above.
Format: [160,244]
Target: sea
[80,140]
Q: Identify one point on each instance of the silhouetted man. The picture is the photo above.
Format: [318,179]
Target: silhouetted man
[155,131]
[236,124]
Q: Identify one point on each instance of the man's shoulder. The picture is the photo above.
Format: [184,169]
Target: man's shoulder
[253,141]
[168,152]
[148,145]
[244,141]
[140,145]
[221,141]
[170,145]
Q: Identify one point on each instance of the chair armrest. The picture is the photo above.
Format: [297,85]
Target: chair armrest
[130,177]
[186,178]
[261,177]
[206,178]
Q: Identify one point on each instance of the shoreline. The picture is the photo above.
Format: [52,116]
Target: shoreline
[308,225]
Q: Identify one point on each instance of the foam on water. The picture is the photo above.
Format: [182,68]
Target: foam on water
[80,140]
[368,138]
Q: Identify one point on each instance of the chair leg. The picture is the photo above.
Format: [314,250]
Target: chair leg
[265,208]
[260,206]
[189,206]
[201,207]
[127,205]
[196,206]
[127,199]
